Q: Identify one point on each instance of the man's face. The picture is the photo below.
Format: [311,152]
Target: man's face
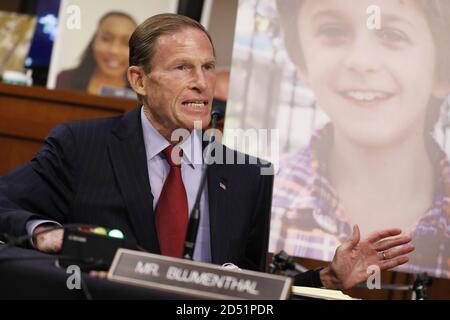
[375,85]
[179,88]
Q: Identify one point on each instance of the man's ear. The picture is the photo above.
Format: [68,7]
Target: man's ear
[136,78]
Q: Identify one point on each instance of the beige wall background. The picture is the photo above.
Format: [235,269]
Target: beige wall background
[219,17]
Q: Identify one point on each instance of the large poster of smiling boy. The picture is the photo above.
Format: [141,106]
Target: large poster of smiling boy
[359,92]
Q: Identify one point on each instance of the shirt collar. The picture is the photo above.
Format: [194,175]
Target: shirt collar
[155,143]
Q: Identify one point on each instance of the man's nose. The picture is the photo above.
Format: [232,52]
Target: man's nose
[199,80]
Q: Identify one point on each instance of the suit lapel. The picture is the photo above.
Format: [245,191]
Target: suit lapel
[217,211]
[127,152]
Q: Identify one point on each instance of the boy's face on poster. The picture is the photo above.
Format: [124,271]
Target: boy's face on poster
[374,84]
[111,46]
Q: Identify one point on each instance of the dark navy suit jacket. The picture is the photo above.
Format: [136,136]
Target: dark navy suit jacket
[95,172]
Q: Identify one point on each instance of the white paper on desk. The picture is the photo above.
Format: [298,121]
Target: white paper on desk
[318,293]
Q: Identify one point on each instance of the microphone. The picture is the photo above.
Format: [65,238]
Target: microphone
[88,246]
[284,262]
[91,248]
[194,218]
[218,107]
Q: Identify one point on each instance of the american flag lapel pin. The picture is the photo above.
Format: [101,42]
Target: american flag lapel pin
[223,186]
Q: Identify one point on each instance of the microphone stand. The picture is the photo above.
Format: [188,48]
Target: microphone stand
[419,288]
[421,285]
[286,263]
[194,218]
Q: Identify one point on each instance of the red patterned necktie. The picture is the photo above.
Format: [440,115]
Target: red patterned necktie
[172,208]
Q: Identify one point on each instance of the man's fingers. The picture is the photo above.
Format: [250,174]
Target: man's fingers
[400,251]
[378,235]
[389,264]
[396,255]
[50,242]
[390,243]
[350,244]
[57,239]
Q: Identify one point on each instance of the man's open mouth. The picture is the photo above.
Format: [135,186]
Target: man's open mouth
[196,104]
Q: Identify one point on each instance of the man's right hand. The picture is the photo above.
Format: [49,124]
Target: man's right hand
[49,242]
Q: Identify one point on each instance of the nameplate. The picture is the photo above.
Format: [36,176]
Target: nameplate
[195,279]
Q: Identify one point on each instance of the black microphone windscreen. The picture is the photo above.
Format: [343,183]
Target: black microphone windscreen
[218,108]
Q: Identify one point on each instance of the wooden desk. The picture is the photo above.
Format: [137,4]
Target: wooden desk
[27,114]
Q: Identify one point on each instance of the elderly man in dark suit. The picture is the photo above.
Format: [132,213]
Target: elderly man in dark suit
[132,172]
